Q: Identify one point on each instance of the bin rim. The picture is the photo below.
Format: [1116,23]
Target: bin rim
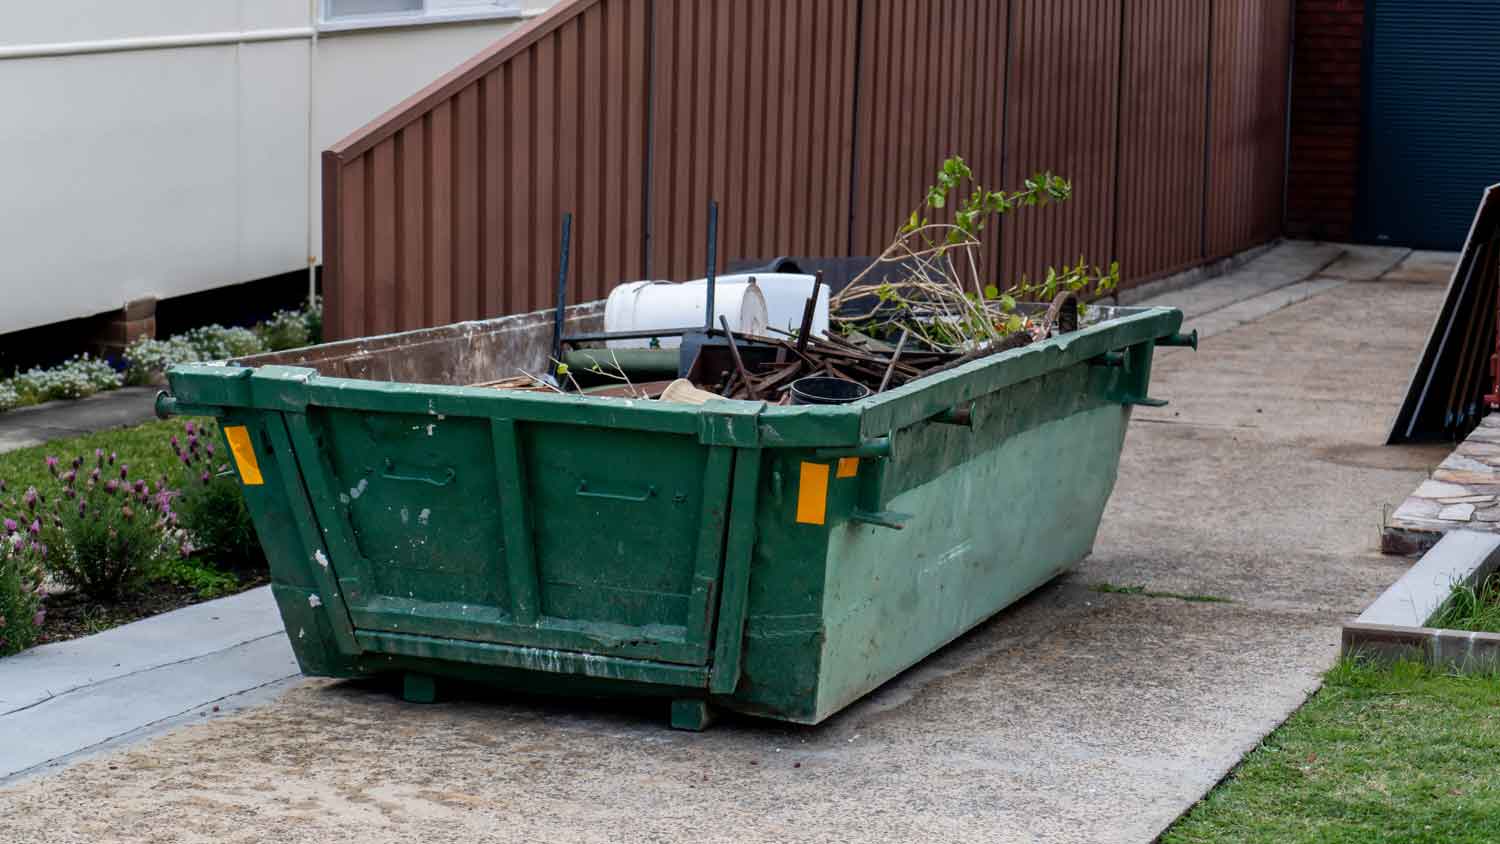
[213,389]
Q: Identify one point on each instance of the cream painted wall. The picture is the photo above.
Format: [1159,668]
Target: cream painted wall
[163,171]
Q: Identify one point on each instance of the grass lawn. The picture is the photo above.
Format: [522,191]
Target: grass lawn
[144,447]
[1380,754]
[1475,608]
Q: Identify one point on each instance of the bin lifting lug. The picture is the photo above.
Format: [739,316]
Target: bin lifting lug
[1189,340]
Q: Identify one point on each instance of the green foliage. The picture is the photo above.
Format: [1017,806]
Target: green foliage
[1471,608]
[200,576]
[211,505]
[942,299]
[92,526]
[21,613]
[292,329]
[76,378]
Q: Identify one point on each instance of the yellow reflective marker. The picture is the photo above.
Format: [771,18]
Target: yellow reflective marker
[244,454]
[848,467]
[812,494]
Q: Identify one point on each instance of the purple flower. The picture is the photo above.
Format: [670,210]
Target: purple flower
[52,464]
[190,428]
[29,499]
[173,441]
[208,449]
[111,458]
[124,470]
[206,477]
[94,476]
[10,526]
[111,486]
[36,620]
[99,453]
[2,486]
[192,442]
[36,527]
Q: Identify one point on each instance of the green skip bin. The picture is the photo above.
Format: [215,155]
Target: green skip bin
[778,561]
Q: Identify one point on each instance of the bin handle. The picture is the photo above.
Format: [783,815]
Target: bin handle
[583,492]
[391,474]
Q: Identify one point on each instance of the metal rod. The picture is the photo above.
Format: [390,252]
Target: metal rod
[562,286]
[808,311]
[734,352]
[642,334]
[713,262]
[890,370]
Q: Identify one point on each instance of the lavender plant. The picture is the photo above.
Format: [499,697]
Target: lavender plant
[95,528]
[21,612]
[211,505]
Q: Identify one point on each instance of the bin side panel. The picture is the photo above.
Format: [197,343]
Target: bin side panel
[616,516]
[995,513]
[421,500]
[783,632]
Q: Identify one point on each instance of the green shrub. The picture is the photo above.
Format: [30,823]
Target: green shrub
[147,358]
[21,613]
[76,378]
[215,342]
[9,398]
[292,329]
[96,529]
[211,505]
[201,577]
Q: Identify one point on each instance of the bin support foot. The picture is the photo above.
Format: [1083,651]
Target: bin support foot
[691,714]
[419,688]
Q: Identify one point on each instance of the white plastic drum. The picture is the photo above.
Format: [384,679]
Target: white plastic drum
[786,295]
[646,305]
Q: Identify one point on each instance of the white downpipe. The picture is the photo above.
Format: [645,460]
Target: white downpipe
[156,42]
[314,163]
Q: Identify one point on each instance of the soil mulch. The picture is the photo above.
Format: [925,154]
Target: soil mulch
[72,616]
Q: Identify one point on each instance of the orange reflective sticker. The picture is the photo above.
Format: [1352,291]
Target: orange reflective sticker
[244,454]
[812,494]
[848,467]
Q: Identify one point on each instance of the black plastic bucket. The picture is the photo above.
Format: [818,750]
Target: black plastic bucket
[818,389]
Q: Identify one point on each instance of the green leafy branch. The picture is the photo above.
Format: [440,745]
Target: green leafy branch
[940,294]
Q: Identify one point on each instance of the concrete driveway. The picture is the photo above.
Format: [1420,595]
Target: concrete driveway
[1075,716]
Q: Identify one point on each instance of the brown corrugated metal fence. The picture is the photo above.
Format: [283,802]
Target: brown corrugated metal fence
[817,124]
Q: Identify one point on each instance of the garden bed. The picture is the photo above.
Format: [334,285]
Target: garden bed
[168,550]
[1442,611]
[72,616]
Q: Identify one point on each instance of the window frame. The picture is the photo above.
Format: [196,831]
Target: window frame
[432,12]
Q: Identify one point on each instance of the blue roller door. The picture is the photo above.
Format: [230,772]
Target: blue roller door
[1432,120]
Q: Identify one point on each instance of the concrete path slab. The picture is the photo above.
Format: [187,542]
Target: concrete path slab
[1288,263]
[1074,716]
[1433,267]
[28,426]
[60,700]
[1365,263]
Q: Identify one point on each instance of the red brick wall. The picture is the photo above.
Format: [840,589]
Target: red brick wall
[1323,172]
